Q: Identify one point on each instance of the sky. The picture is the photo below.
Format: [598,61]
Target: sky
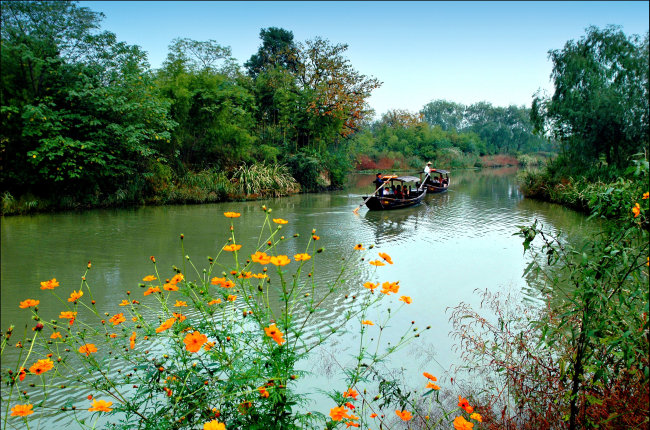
[465,52]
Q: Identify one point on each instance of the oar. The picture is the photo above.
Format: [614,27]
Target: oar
[359,207]
[423,182]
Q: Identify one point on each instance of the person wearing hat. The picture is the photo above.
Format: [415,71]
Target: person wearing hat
[427,169]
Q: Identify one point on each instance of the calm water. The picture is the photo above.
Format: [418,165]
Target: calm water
[443,249]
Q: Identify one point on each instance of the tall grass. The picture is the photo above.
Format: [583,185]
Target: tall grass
[264,180]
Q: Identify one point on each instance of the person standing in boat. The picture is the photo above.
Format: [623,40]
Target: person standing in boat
[427,171]
[379,181]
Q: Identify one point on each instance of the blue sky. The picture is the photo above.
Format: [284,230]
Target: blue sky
[460,51]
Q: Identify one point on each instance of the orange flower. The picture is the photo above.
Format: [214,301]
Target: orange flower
[125,303]
[404,415]
[177,278]
[432,386]
[359,247]
[430,376]
[476,417]
[389,287]
[370,286]
[645,196]
[179,317]
[170,287]
[208,346]
[232,214]
[166,325]
[41,366]
[463,403]
[373,415]
[245,275]
[280,221]
[21,374]
[350,393]
[259,275]
[214,302]
[260,257]
[280,260]
[302,257]
[367,322]
[56,335]
[636,210]
[263,392]
[232,247]
[180,303]
[117,319]
[74,296]
[21,410]
[386,257]
[376,263]
[101,406]
[194,341]
[68,315]
[149,278]
[232,298]
[112,335]
[351,424]
[315,237]
[49,285]
[273,332]
[461,423]
[152,290]
[338,413]
[214,425]
[406,299]
[29,303]
[88,349]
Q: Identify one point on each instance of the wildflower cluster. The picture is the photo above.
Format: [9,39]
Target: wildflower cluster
[215,349]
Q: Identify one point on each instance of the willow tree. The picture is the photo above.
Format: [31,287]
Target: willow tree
[600,106]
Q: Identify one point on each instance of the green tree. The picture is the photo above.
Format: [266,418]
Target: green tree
[80,111]
[278,49]
[600,105]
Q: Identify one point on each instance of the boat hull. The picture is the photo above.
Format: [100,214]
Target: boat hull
[384,203]
[432,189]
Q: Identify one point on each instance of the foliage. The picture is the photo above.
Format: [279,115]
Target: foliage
[273,180]
[600,105]
[218,345]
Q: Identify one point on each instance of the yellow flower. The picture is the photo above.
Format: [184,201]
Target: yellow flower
[302,257]
[56,335]
[125,303]
[406,299]
[149,278]
[261,257]
[41,366]
[259,275]
[22,410]
[117,319]
[214,425]
[386,258]
[477,417]
[367,322]
[273,332]
[88,349]
[29,303]
[359,247]
[166,325]
[232,298]
[74,296]
[376,263]
[100,406]
[232,247]
[645,196]
[214,302]
[636,210]
[280,260]
[280,221]
[49,285]
[180,303]
[461,423]
[232,214]
[370,286]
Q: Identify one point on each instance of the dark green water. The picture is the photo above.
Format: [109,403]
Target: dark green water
[443,249]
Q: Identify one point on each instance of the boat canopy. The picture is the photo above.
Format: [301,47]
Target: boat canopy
[444,172]
[406,179]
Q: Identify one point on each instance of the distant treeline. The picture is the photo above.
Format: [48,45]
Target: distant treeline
[84,116]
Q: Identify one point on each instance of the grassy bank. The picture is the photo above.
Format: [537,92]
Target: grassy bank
[164,187]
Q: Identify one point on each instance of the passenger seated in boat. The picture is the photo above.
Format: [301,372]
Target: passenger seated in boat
[445,182]
[398,192]
[436,181]
[406,191]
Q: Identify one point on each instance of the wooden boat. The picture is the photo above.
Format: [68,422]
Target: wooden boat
[438,181]
[387,199]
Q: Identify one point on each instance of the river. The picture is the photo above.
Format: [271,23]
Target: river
[444,249]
